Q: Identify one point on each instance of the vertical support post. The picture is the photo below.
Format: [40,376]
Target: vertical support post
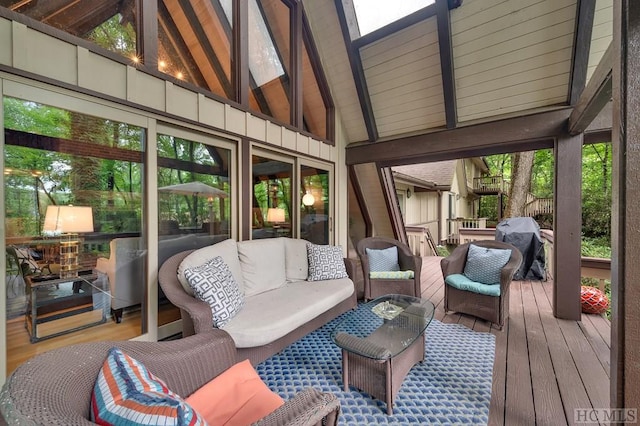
[625,268]
[567,223]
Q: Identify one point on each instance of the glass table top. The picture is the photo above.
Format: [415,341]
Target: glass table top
[384,327]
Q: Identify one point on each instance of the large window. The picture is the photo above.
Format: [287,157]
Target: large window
[73,224]
[271,213]
[193,42]
[194,197]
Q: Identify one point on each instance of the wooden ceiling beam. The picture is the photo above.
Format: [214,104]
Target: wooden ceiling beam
[358,75]
[508,135]
[585,12]
[446,63]
[594,97]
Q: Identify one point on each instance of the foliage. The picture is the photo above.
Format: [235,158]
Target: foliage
[116,35]
[596,247]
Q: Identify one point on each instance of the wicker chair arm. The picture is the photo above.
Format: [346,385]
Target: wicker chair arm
[308,407]
[198,311]
[454,263]
[351,266]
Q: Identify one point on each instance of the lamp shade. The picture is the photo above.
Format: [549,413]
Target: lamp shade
[68,219]
[308,199]
[275,215]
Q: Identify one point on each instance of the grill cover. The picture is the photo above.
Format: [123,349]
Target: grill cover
[524,233]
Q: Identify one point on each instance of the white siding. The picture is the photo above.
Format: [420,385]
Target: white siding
[602,33]
[511,55]
[405,81]
[331,49]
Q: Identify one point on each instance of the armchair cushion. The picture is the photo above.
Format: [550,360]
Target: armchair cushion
[462,282]
[392,275]
[126,392]
[325,262]
[484,265]
[213,283]
[237,396]
[383,259]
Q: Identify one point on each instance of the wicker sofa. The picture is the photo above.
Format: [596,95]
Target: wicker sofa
[270,320]
[54,388]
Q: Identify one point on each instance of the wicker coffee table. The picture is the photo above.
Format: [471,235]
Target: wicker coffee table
[380,343]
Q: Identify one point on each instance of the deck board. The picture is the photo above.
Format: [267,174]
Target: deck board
[544,367]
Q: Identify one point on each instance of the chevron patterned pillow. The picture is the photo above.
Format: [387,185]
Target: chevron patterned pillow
[127,393]
[212,282]
[484,265]
[383,259]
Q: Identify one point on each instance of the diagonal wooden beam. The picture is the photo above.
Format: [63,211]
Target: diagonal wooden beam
[446,63]
[585,12]
[594,97]
[358,75]
[492,137]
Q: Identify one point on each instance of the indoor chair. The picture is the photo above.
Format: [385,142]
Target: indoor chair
[380,277]
[463,290]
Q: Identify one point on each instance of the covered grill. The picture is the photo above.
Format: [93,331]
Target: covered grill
[524,233]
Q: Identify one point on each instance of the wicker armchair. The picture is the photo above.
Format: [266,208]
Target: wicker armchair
[54,388]
[377,287]
[491,308]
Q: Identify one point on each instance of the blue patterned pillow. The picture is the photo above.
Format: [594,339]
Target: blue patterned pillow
[325,263]
[383,260]
[127,393]
[484,265]
[212,282]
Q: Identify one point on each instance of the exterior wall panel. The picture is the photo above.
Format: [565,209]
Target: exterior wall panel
[511,56]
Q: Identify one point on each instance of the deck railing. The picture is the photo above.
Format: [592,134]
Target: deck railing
[454,226]
[418,236]
[591,267]
[489,184]
[536,206]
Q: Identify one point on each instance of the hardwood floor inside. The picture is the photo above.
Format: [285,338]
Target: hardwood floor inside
[20,349]
[544,367]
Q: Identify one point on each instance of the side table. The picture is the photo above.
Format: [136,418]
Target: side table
[49,305]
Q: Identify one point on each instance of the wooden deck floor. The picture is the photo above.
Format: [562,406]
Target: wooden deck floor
[544,367]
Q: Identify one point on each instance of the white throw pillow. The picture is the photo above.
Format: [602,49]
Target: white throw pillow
[325,263]
[212,282]
[226,249]
[295,259]
[263,265]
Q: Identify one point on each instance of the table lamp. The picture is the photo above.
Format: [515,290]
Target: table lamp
[68,221]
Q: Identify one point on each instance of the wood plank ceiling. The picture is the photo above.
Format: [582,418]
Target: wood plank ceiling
[484,60]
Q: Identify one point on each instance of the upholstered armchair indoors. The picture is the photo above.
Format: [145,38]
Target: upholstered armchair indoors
[388,267]
[477,277]
[56,387]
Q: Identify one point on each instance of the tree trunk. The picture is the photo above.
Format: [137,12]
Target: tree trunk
[520,183]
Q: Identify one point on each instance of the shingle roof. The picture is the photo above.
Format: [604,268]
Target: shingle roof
[440,173]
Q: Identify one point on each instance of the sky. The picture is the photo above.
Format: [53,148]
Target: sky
[373,14]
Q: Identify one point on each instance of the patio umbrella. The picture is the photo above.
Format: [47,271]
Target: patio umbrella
[194,188]
[197,189]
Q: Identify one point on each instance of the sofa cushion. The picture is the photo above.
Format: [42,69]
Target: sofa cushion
[484,265]
[295,259]
[383,259]
[462,282]
[238,396]
[325,262]
[268,316]
[212,282]
[263,265]
[226,249]
[127,393]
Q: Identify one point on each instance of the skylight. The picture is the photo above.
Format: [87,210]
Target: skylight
[374,14]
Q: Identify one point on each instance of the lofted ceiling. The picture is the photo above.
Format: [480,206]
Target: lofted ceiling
[440,68]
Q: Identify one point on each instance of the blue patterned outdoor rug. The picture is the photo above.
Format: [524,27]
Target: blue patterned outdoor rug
[452,386]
